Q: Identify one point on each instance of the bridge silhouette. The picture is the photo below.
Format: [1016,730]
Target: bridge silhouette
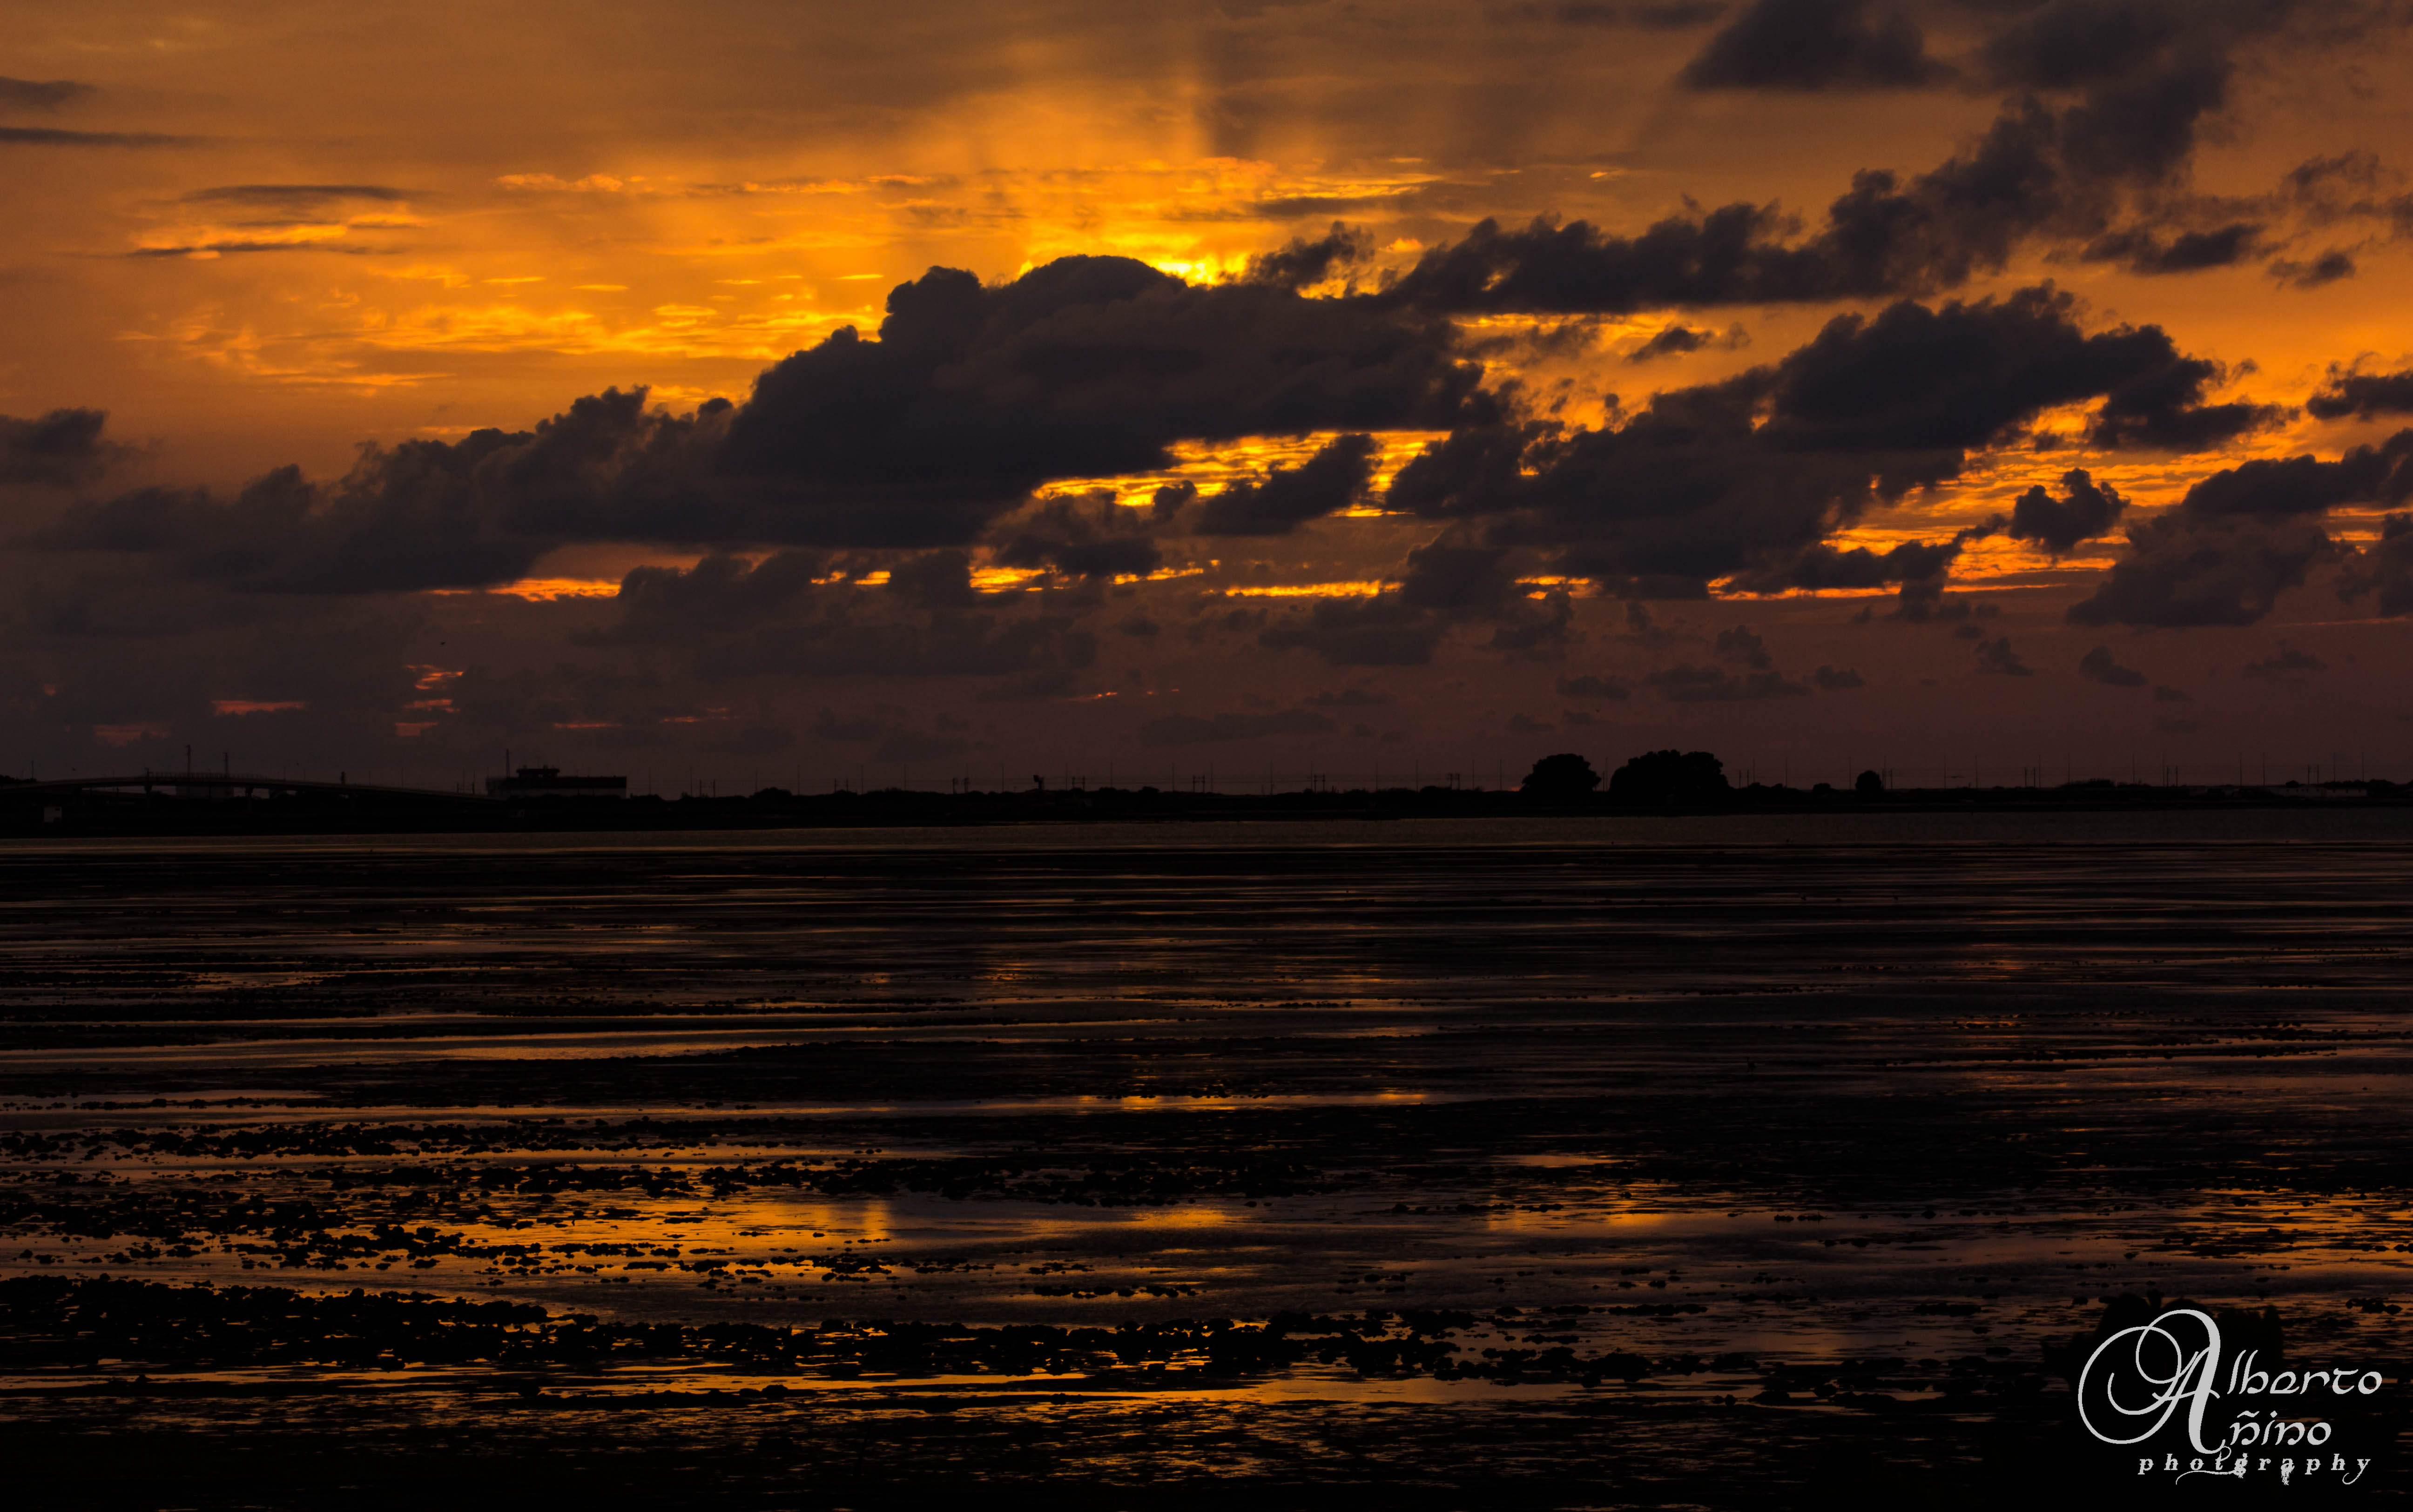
[228,786]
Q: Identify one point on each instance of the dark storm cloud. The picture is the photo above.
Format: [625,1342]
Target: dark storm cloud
[1445,583]
[2073,44]
[1962,376]
[2109,100]
[669,604]
[1288,498]
[1745,479]
[1837,679]
[415,517]
[1816,44]
[1303,262]
[973,397]
[1086,539]
[2242,537]
[2068,44]
[934,580]
[1822,568]
[41,94]
[2182,570]
[2036,170]
[1453,578]
[2363,396]
[1192,730]
[803,612]
[51,137]
[2084,511]
[2272,489]
[2143,251]
[1084,367]
[2101,666]
[60,450]
[2384,569]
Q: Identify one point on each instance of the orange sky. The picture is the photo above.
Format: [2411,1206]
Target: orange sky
[269,233]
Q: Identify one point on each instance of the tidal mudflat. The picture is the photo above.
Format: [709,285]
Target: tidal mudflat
[1595,1162]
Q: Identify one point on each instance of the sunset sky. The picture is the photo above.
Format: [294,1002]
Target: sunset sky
[773,393]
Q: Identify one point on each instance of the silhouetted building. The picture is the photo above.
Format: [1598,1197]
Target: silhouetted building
[549,782]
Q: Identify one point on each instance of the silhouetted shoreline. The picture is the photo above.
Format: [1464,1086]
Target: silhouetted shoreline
[398,811]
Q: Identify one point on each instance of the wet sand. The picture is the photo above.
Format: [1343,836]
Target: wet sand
[1589,1162]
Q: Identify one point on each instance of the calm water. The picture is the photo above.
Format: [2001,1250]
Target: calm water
[1688,1162]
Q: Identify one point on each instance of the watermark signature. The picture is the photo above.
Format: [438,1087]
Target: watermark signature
[2161,1386]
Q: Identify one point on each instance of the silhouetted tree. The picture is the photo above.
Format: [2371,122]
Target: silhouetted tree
[1563,776]
[1670,776]
[1868,784]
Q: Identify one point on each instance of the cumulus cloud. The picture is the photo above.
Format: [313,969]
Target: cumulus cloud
[1822,567]
[413,517]
[2180,570]
[807,612]
[722,592]
[1816,44]
[2242,537]
[2107,101]
[2084,511]
[2350,395]
[1746,479]
[973,397]
[1303,262]
[1288,498]
[1740,646]
[60,450]
[2384,569]
[2036,172]
[2101,666]
[1996,657]
[1083,367]
[1084,539]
